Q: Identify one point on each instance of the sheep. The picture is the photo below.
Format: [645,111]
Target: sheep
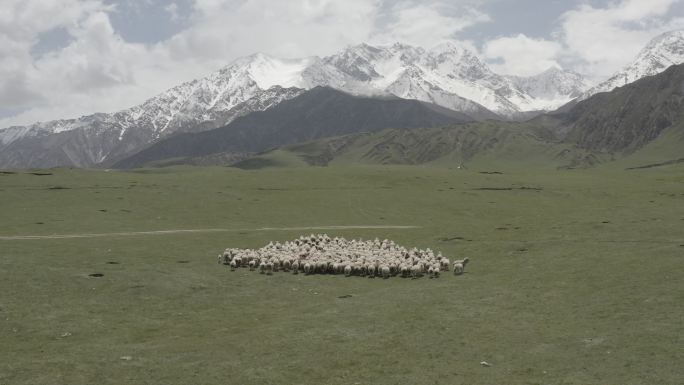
[444,263]
[416,271]
[320,267]
[320,254]
[459,265]
[433,271]
[370,269]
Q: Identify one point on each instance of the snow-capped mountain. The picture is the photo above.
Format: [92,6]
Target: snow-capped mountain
[240,88]
[449,75]
[660,53]
[552,88]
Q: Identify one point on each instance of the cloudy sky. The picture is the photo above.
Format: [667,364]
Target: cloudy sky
[67,58]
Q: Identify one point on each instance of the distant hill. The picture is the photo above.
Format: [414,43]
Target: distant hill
[629,117]
[482,144]
[319,113]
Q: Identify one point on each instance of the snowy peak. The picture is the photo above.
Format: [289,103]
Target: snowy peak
[451,58]
[356,62]
[660,53]
[267,71]
[552,88]
[446,74]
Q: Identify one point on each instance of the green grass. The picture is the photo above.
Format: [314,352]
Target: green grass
[578,281]
[477,145]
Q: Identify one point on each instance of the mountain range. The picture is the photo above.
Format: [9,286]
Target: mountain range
[449,75]
[324,125]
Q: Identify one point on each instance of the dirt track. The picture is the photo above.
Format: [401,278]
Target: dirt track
[166,232]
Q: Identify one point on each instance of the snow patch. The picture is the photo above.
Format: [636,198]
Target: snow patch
[268,72]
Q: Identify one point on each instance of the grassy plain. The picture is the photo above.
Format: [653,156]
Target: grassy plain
[576,278]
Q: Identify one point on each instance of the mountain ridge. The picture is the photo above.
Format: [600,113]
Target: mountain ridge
[257,82]
[660,53]
[641,123]
[317,113]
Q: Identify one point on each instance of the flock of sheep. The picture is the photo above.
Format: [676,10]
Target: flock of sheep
[320,254]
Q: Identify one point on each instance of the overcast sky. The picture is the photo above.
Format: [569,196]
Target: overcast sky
[67,58]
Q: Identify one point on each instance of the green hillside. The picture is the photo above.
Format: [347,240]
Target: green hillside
[480,145]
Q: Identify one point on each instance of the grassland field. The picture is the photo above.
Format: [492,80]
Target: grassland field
[576,277]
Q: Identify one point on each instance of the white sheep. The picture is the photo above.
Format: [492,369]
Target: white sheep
[444,263]
[416,271]
[370,269]
[319,254]
[459,265]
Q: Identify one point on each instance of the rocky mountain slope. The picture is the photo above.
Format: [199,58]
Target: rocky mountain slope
[660,53]
[319,113]
[628,117]
[102,139]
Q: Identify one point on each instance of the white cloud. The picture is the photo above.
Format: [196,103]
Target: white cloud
[602,40]
[427,24]
[521,55]
[98,71]
[227,29]
[594,41]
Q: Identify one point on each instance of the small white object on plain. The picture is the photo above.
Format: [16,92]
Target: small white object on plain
[485,363]
[126,358]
